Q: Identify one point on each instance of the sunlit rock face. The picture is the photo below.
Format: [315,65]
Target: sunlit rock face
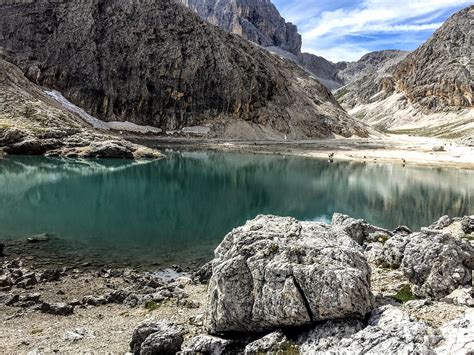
[427,92]
[256,20]
[278,272]
[156,63]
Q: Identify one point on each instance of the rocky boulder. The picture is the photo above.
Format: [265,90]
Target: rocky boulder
[437,263]
[270,343]
[457,336]
[277,272]
[156,337]
[467,224]
[206,344]
[390,331]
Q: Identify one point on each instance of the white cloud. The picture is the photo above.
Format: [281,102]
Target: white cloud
[325,32]
[346,52]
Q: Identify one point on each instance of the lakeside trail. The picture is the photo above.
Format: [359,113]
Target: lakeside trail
[399,149]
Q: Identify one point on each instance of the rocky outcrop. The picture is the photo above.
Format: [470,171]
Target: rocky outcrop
[206,344]
[389,331]
[256,20]
[368,65]
[157,337]
[457,337]
[270,343]
[439,74]
[155,63]
[437,263]
[426,92]
[261,23]
[31,123]
[276,272]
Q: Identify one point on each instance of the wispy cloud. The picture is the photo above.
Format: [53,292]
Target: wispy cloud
[344,30]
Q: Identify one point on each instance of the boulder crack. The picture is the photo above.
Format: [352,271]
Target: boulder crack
[305,300]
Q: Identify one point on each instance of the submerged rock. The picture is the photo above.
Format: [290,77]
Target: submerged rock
[38,238]
[276,272]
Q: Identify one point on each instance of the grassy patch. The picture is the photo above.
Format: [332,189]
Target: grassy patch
[341,93]
[36,331]
[289,348]
[274,248]
[404,294]
[468,237]
[151,305]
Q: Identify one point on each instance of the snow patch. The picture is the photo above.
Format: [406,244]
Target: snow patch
[99,124]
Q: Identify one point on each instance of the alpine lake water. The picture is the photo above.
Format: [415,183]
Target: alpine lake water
[121,213]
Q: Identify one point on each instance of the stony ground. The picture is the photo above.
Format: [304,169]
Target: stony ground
[102,322]
[102,328]
[398,149]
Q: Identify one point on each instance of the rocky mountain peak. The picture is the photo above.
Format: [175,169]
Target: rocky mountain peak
[427,92]
[156,63]
[440,73]
[256,20]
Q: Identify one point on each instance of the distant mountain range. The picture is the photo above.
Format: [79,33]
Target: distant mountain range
[427,92]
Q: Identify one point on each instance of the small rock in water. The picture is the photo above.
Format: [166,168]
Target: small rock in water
[38,238]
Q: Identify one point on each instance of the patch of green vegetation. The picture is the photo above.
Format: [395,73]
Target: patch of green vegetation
[468,237]
[341,93]
[287,348]
[151,305]
[404,294]
[36,331]
[274,248]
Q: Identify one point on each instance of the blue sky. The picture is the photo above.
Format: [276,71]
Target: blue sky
[345,30]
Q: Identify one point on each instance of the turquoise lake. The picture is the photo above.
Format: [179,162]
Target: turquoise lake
[115,212]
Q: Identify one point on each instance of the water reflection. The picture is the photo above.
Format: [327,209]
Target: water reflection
[180,208]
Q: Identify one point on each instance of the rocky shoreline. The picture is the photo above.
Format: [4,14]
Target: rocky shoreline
[275,285]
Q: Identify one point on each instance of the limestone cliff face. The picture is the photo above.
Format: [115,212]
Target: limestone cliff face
[260,22]
[427,92]
[441,72]
[256,20]
[156,63]
[366,77]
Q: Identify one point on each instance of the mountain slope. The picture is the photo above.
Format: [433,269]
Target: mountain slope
[260,22]
[33,123]
[429,92]
[155,63]
[256,20]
